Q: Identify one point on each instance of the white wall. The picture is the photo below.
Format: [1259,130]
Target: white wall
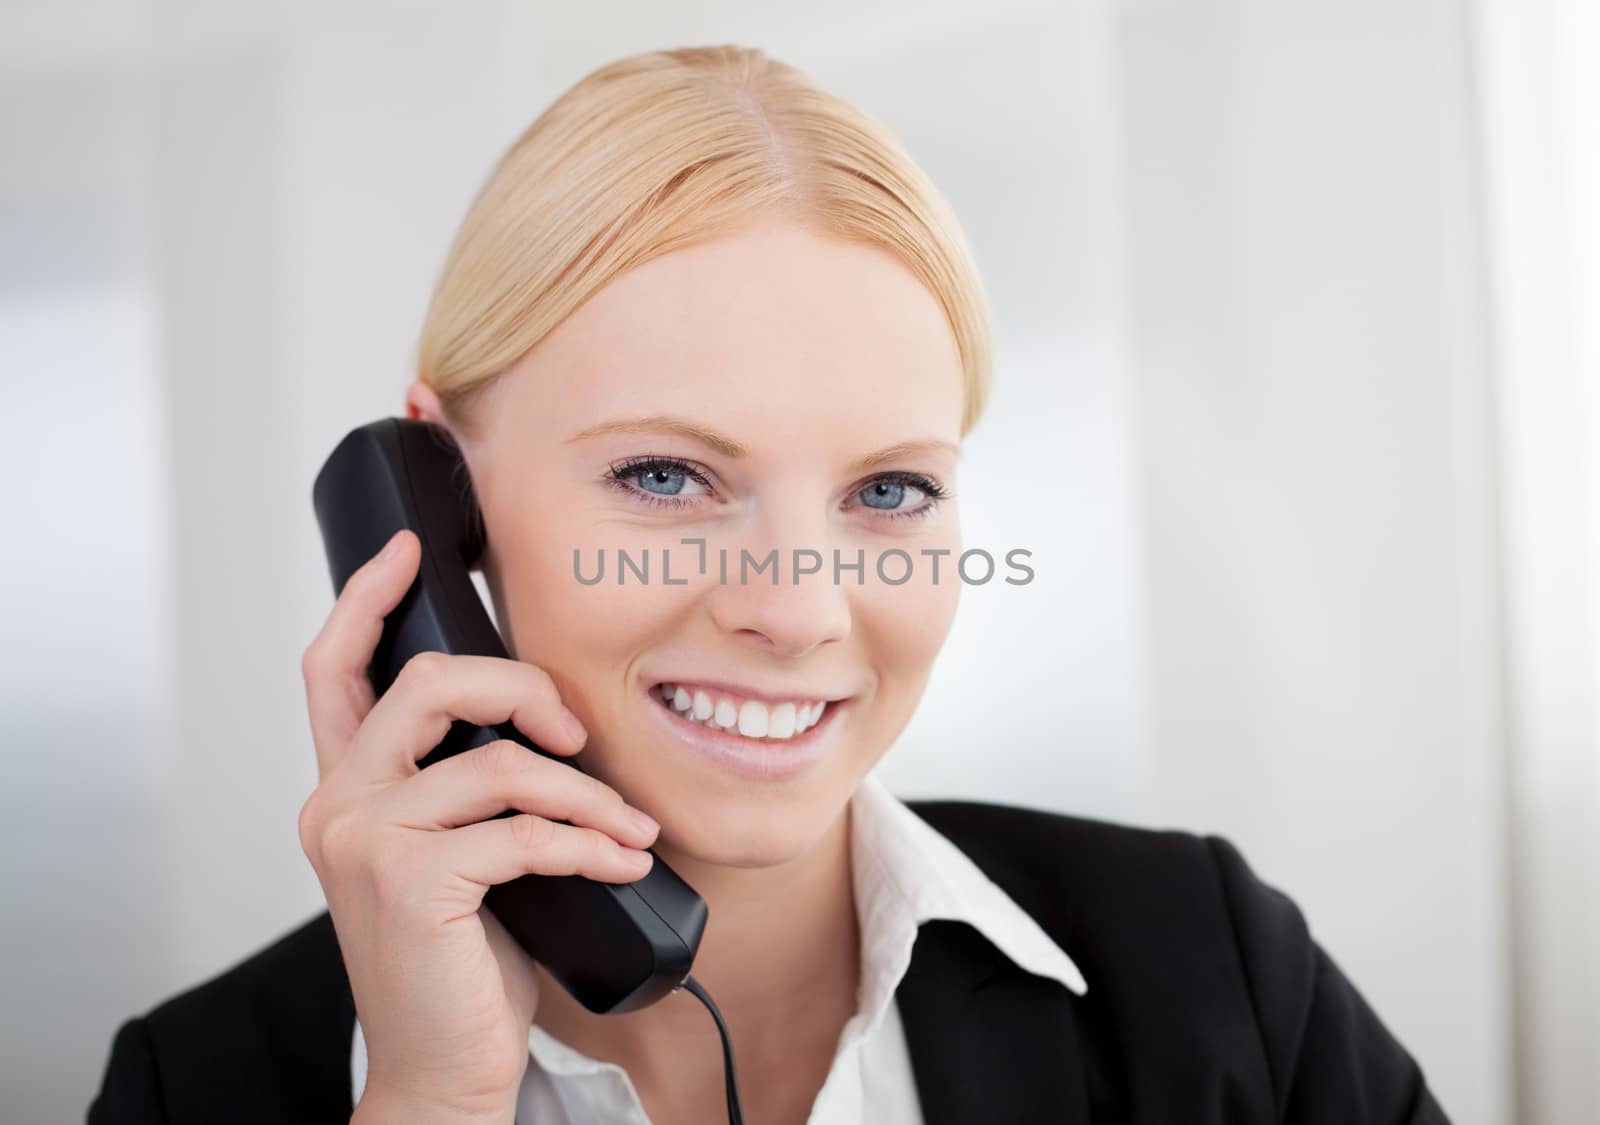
[1316,465]
[87,684]
[1245,418]
[1541,99]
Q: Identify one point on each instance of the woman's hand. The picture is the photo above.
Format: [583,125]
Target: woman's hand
[444,994]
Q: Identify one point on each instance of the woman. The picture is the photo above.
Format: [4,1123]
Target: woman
[703,311]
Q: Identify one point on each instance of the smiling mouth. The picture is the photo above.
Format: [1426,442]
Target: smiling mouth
[752,718]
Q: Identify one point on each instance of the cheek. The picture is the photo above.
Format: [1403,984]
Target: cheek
[903,627]
[584,635]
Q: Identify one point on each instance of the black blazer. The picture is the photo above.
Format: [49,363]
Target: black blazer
[1208,1003]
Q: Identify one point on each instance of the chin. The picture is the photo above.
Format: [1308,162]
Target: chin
[712,832]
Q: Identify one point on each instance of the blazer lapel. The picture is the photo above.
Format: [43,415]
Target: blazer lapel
[988,1040]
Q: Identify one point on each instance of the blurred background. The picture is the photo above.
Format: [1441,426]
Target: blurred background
[1296,408]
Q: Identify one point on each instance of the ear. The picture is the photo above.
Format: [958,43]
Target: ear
[422,404]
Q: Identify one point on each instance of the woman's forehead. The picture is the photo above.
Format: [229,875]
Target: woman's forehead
[755,330]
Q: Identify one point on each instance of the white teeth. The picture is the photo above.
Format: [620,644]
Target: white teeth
[750,717]
[753,719]
[781,722]
[811,713]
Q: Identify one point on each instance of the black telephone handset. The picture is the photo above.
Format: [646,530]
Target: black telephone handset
[614,946]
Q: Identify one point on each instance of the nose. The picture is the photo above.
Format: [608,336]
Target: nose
[785,618]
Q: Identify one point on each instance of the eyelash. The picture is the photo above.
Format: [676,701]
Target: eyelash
[620,473]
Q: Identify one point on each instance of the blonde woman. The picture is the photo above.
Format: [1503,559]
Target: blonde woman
[701,300]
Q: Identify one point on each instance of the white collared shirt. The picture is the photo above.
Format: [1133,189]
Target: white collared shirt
[905,873]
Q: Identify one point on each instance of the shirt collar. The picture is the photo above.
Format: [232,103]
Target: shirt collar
[905,873]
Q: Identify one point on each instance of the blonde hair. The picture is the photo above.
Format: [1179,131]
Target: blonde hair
[654,152]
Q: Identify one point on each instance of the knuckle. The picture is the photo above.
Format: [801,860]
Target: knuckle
[309,824]
[531,833]
[314,662]
[425,666]
[341,839]
[500,759]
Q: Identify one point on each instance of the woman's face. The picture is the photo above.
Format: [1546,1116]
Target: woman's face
[771,390]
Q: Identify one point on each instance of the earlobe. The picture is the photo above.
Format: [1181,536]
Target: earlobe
[422,404]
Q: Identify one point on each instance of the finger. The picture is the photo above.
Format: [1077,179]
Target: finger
[498,851]
[433,690]
[486,780]
[338,693]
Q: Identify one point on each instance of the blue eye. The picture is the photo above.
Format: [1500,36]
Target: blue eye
[662,481]
[668,482]
[884,494]
[901,495]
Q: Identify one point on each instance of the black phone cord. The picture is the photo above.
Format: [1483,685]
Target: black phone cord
[735,1115]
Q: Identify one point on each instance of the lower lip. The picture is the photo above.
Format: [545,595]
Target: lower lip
[761,759]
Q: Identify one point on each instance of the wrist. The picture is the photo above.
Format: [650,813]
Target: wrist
[380,1105]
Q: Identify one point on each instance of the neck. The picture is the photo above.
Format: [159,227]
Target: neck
[780,956]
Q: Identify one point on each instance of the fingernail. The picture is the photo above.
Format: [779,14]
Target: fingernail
[643,821]
[391,549]
[574,727]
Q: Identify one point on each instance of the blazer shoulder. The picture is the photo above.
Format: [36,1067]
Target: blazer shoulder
[266,1039]
[1174,929]
[1048,861]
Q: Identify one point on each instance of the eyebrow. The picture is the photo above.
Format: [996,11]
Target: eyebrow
[728,447]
